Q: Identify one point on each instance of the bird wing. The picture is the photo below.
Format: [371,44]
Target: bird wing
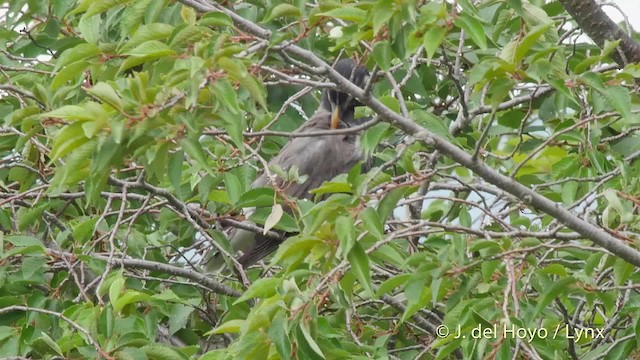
[321,158]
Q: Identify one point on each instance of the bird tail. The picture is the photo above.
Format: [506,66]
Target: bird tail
[262,247]
[240,240]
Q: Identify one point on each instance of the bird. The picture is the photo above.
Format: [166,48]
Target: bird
[320,158]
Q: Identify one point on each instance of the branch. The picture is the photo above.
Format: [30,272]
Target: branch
[201,279]
[600,28]
[525,194]
[73,324]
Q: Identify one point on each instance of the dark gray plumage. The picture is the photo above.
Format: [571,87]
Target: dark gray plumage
[320,158]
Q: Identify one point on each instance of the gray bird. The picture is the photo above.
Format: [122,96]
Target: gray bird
[320,158]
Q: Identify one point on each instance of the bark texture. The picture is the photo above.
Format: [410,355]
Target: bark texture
[595,23]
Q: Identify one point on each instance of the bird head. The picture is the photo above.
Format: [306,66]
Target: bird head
[341,105]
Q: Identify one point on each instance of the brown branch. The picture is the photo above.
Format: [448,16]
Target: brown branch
[600,28]
[201,279]
[75,325]
[524,193]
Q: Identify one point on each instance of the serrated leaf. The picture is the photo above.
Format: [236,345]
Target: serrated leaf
[295,245]
[360,265]
[69,139]
[312,343]
[75,54]
[346,231]
[193,148]
[262,288]
[392,283]
[432,123]
[231,326]
[347,13]
[283,10]
[215,19]
[129,297]
[147,32]
[382,54]
[233,187]
[151,48]
[329,187]
[559,287]
[107,94]
[372,223]
[115,289]
[529,40]
[278,331]
[473,28]
[100,6]
[432,40]
[381,13]
[257,197]
[162,352]
[389,202]
[188,15]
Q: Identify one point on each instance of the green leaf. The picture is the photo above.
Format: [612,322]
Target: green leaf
[432,40]
[278,331]
[86,112]
[107,94]
[347,13]
[100,6]
[312,343]
[390,284]
[262,288]
[432,123]
[147,32]
[234,125]
[75,54]
[562,285]
[193,148]
[239,73]
[330,187]
[227,96]
[233,187]
[188,15]
[23,241]
[257,197]
[69,139]
[231,326]
[151,48]
[283,10]
[215,19]
[294,246]
[618,97]
[46,341]
[622,270]
[360,265]
[529,40]
[346,231]
[130,297]
[389,202]
[162,352]
[381,13]
[372,223]
[175,169]
[116,289]
[473,28]
[382,54]
[69,75]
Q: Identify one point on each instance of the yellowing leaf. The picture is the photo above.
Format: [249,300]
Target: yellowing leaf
[274,217]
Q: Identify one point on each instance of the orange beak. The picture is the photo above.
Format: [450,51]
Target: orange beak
[335,118]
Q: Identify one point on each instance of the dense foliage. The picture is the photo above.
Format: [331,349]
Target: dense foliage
[132,130]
